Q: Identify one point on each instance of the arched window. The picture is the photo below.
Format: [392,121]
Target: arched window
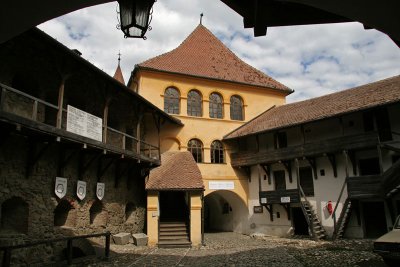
[195,147]
[171,100]
[217,152]
[194,103]
[236,108]
[216,106]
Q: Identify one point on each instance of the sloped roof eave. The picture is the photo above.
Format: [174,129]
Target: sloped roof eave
[137,68]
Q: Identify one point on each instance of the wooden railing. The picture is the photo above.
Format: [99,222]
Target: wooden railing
[276,197]
[367,186]
[337,205]
[42,111]
[309,223]
[8,249]
[333,145]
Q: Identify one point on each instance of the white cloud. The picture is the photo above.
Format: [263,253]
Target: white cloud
[313,60]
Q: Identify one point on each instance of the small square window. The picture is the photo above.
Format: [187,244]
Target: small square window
[322,172]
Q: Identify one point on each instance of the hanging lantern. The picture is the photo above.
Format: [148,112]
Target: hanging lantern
[135,17]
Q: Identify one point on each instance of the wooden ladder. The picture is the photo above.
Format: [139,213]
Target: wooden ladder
[317,231]
[343,220]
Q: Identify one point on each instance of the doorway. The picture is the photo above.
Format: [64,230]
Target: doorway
[299,222]
[174,206]
[374,219]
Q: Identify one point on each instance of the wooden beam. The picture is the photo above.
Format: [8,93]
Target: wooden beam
[352,157]
[64,159]
[270,211]
[268,172]
[120,171]
[105,118]
[313,164]
[288,166]
[101,169]
[85,164]
[287,208]
[34,154]
[332,160]
[60,102]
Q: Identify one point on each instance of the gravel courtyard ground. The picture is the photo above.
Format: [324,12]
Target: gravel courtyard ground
[231,249]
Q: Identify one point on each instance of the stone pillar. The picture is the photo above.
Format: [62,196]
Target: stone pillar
[183,103]
[195,218]
[152,217]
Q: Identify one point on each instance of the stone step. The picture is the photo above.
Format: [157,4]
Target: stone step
[177,233]
[173,229]
[165,238]
[174,244]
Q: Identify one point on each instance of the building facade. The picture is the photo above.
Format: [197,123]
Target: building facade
[74,149]
[207,87]
[327,166]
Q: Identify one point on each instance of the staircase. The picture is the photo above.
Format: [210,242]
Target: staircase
[174,234]
[343,220]
[315,226]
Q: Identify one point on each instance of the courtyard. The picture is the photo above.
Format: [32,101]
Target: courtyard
[232,249]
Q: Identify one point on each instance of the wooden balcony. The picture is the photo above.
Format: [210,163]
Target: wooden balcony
[354,142]
[280,196]
[361,187]
[38,117]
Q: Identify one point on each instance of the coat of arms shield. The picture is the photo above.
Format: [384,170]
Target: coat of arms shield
[81,190]
[60,188]
[100,190]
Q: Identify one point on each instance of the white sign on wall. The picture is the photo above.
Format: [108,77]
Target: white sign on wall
[81,190]
[100,190]
[83,123]
[60,187]
[285,199]
[221,185]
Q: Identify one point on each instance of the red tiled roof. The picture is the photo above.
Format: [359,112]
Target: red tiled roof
[178,171]
[201,54]
[118,75]
[363,97]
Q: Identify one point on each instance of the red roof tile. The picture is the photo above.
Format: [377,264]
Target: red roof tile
[203,55]
[363,97]
[178,171]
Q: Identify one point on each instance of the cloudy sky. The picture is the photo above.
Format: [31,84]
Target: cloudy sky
[312,60]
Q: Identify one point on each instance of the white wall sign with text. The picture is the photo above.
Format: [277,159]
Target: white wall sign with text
[85,124]
[221,185]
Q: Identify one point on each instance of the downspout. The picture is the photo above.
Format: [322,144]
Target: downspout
[202,219]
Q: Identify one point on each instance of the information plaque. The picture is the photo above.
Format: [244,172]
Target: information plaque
[83,123]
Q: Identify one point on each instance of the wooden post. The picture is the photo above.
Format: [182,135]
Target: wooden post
[60,102]
[7,258]
[380,158]
[259,178]
[105,119]
[140,117]
[69,251]
[107,247]
[35,110]
[346,160]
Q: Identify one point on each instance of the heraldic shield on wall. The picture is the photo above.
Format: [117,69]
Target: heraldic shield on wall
[60,187]
[100,190]
[81,190]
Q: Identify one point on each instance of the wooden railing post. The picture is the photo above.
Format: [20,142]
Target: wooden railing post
[107,247]
[60,103]
[69,251]
[6,258]
[35,110]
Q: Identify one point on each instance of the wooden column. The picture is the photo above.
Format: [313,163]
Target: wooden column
[60,102]
[105,119]
[140,118]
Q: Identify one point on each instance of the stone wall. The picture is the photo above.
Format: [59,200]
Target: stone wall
[31,201]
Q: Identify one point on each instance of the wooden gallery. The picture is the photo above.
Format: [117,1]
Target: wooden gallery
[75,148]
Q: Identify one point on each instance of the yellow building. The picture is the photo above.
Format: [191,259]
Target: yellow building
[213,92]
